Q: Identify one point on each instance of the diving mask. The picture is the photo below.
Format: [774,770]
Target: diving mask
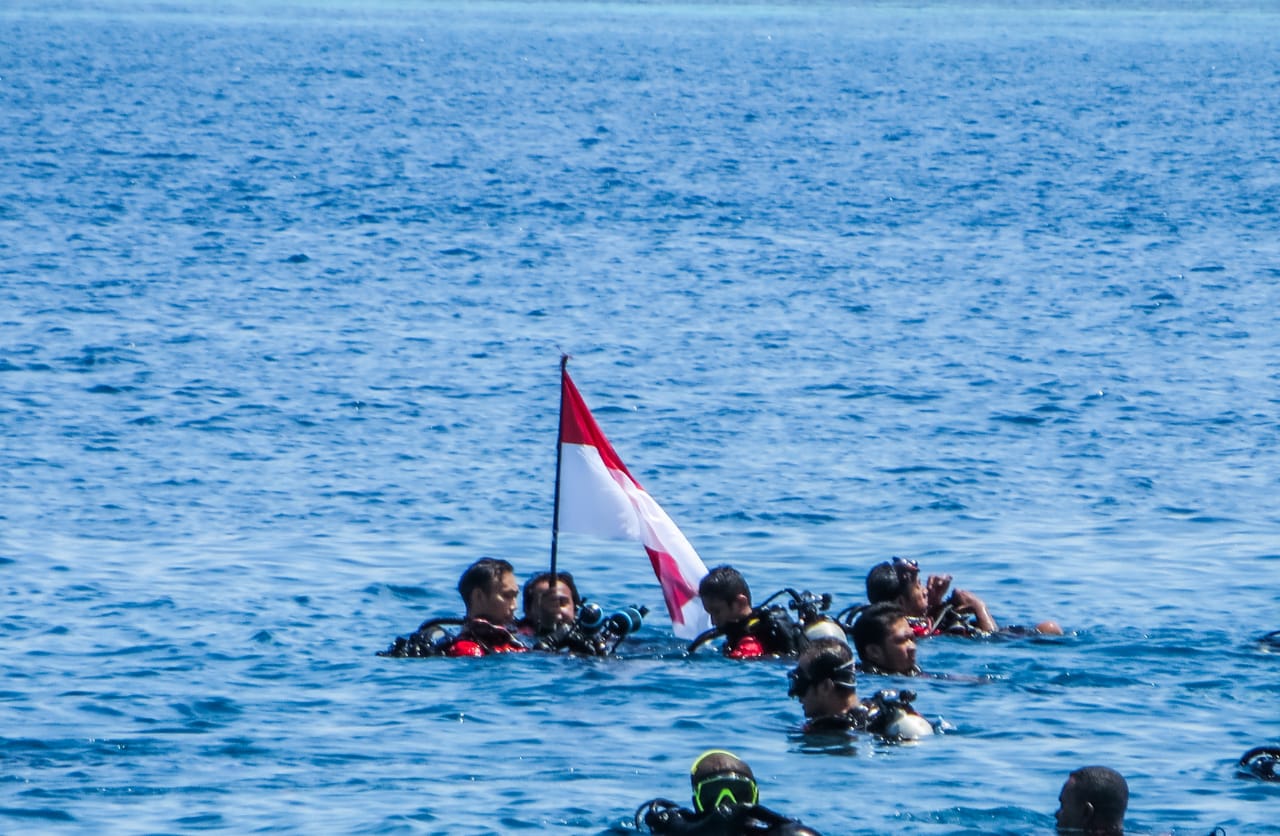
[725,788]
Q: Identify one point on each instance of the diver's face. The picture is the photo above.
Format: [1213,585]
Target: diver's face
[722,612]
[497,604]
[554,607]
[1070,815]
[898,653]
[914,601]
[821,700]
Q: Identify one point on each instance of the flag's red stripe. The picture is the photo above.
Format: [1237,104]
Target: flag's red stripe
[578,426]
[676,591]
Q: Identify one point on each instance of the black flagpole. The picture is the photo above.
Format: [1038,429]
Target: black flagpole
[555,505]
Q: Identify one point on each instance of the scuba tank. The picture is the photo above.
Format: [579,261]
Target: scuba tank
[892,715]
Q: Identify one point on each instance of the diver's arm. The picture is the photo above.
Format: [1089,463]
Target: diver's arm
[966,602]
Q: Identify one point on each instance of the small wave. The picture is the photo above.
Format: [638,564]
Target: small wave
[205,821]
[40,814]
[160,155]
[914,397]
[134,650]
[1025,420]
[801,517]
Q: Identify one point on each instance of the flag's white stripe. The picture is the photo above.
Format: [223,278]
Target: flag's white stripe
[591,500]
[602,502]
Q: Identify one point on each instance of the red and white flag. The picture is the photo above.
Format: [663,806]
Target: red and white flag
[598,496]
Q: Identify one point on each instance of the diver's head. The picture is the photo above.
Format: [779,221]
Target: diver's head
[725,595]
[898,581]
[721,778]
[883,583]
[1093,801]
[824,679]
[544,608]
[489,590]
[1261,762]
[885,640]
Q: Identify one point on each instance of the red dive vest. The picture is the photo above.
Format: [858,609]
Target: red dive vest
[480,638]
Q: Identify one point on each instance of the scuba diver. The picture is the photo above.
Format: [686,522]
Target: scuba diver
[928,610]
[562,621]
[825,683]
[543,608]
[725,801]
[489,591]
[752,632]
[1261,762]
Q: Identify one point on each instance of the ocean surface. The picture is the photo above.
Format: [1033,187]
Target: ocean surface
[283,292]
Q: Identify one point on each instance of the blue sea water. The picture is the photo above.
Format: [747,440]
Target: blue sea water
[283,290]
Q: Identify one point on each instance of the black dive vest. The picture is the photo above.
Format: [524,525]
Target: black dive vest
[665,817]
[773,627]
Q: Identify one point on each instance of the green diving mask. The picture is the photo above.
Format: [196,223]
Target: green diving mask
[725,788]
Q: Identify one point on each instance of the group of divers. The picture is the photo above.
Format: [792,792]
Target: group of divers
[900,611]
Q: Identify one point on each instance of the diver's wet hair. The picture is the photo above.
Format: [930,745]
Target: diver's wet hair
[824,659]
[890,580]
[526,595]
[883,584]
[1105,789]
[724,583]
[483,574]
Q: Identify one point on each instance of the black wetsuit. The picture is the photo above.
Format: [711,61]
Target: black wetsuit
[666,817]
